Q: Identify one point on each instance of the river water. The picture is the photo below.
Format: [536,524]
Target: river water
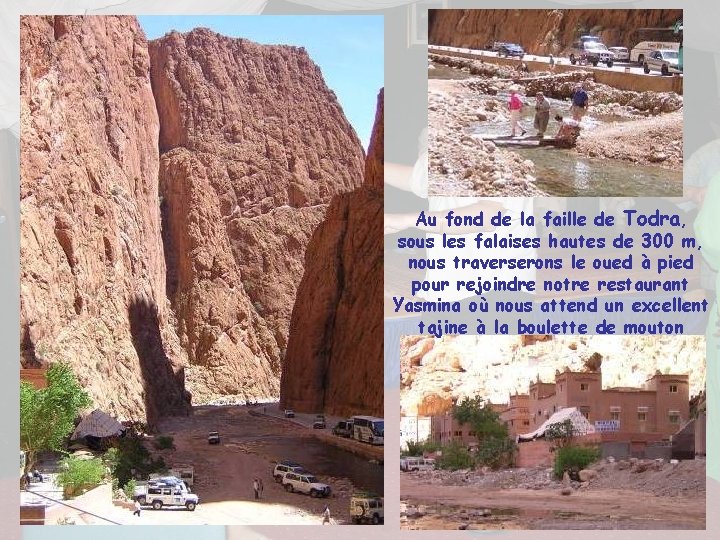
[324,459]
[565,173]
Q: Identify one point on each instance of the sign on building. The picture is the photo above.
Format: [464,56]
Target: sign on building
[607,425]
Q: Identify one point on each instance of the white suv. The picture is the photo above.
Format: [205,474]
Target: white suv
[366,508]
[305,483]
[284,467]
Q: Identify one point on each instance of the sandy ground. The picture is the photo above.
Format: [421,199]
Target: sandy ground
[480,507]
[224,473]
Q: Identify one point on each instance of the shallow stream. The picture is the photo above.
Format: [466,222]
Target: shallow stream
[564,173]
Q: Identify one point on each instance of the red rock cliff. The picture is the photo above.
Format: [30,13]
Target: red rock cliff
[253,147]
[542,31]
[92,269]
[168,192]
[334,360]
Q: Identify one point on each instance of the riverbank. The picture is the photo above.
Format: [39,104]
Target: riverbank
[657,140]
[625,134]
[463,165]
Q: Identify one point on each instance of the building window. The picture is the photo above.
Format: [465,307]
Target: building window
[642,417]
[614,415]
[674,417]
[585,411]
[673,388]
[526,422]
[561,388]
[584,386]
[458,433]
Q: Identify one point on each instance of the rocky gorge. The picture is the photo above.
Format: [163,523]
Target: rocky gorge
[169,190]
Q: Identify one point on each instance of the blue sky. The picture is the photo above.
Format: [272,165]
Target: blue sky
[348,49]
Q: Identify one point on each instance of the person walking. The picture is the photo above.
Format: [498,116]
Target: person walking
[256,488]
[515,104]
[580,102]
[136,512]
[326,515]
[260,486]
[542,114]
[552,62]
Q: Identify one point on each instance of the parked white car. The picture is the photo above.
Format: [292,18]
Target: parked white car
[305,483]
[664,60]
[366,508]
[167,491]
[284,467]
[621,53]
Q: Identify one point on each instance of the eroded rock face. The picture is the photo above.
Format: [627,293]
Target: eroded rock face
[253,147]
[334,360]
[169,191]
[542,31]
[92,268]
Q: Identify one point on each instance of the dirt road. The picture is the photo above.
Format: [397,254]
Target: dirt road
[249,446]
[432,506]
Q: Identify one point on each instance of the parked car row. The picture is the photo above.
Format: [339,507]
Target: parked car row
[295,479]
[589,49]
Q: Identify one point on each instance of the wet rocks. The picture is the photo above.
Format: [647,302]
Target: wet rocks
[460,162]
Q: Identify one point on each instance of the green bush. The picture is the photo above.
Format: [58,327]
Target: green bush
[496,453]
[419,448]
[164,442]
[131,457]
[78,475]
[455,456]
[129,488]
[574,458]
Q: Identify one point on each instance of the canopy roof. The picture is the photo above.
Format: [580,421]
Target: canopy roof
[97,424]
[580,424]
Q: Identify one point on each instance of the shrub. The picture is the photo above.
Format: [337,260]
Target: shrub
[164,442]
[496,453]
[415,448]
[129,488]
[132,458]
[455,456]
[574,458]
[79,475]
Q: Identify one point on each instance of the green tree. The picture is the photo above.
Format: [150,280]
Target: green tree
[479,414]
[79,475]
[47,415]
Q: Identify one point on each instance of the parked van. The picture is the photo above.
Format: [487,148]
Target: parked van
[368,429]
[417,464]
[344,428]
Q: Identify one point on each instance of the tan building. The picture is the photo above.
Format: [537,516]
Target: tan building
[661,406]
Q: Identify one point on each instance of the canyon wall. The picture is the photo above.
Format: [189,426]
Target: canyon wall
[542,31]
[334,360]
[168,192]
[253,146]
[92,287]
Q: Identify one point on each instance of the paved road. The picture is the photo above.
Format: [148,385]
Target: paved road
[617,66]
